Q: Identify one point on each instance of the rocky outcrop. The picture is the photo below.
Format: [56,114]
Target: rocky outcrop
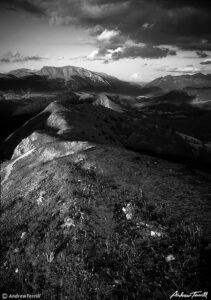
[104,101]
[75,214]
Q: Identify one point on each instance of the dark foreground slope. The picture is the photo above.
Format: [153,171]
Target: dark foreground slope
[82,217]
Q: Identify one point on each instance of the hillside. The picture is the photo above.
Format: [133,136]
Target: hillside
[87,215]
[21,72]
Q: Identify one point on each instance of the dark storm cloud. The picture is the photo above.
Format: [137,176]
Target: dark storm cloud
[195,46]
[25,5]
[203,4]
[113,45]
[178,23]
[201,54]
[16,57]
[143,52]
[130,51]
[182,23]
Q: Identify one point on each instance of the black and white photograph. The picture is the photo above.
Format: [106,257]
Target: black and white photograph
[105,149]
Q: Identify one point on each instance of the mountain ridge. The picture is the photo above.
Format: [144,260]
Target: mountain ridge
[64,72]
[169,82]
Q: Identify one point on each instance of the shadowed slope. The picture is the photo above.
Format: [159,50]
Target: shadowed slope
[86,122]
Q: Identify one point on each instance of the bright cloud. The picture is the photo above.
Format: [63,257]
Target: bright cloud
[107,35]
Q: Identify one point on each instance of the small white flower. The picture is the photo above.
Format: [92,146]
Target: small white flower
[128,210]
[129,216]
[16,270]
[39,201]
[68,223]
[155,233]
[41,197]
[141,193]
[50,257]
[170,257]
[23,234]
[116,282]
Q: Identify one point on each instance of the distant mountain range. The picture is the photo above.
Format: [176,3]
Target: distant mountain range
[169,83]
[56,78]
[77,76]
[51,78]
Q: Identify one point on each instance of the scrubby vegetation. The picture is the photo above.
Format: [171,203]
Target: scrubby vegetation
[94,240]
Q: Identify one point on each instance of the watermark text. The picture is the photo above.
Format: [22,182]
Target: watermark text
[20,296]
[197,294]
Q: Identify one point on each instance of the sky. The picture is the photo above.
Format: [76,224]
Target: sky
[134,40]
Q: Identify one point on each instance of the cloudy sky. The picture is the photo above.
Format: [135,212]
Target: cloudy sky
[136,40]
